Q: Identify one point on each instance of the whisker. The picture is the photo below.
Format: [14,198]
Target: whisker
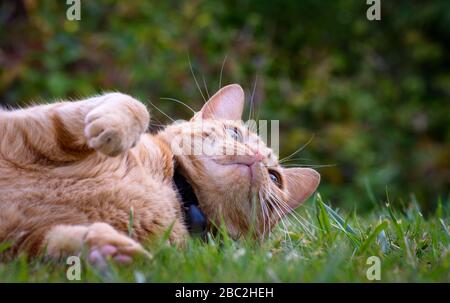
[281,220]
[297,159]
[297,151]
[195,78]
[221,70]
[292,212]
[267,212]
[252,97]
[265,215]
[309,165]
[206,87]
[297,217]
[156,124]
[161,111]
[181,102]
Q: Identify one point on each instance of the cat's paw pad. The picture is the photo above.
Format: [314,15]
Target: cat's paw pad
[117,125]
[105,135]
[99,256]
[106,243]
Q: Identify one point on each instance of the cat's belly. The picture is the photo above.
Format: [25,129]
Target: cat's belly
[114,193]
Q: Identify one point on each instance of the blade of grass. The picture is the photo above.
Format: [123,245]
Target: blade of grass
[384,242]
[403,240]
[338,219]
[131,222]
[444,227]
[4,246]
[340,223]
[322,217]
[439,210]
[373,235]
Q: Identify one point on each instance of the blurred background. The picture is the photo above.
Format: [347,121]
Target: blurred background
[374,96]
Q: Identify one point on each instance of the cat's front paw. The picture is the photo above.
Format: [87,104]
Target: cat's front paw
[104,242]
[116,125]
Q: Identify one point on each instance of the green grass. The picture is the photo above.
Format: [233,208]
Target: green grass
[331,246]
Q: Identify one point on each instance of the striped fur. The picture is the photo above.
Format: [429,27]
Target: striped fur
[71,172]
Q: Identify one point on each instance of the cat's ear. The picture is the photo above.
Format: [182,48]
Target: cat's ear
[226,104]
[301,183]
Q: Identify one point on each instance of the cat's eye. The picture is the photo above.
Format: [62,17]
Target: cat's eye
[275,177]
[234,133]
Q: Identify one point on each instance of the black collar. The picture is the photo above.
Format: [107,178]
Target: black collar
[195,219]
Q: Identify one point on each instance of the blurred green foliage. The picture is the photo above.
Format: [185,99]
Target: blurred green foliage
[375,94]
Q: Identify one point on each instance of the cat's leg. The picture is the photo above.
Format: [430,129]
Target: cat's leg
[110,123]
[101,240]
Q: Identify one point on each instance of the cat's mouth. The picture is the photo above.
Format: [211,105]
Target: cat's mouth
[246,164]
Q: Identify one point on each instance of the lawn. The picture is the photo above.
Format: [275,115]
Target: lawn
[324,244]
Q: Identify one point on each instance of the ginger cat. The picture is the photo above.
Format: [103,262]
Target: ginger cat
[71,171]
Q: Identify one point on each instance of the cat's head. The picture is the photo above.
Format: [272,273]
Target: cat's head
[236,177]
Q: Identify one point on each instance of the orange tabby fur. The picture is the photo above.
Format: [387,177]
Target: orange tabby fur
[70,172]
